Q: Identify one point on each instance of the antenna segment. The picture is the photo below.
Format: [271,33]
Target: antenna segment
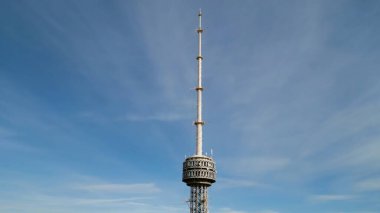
[199,123]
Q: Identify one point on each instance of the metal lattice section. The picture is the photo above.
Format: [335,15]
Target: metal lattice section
[198,199]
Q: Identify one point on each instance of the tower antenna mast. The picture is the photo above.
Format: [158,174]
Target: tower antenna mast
[199,123]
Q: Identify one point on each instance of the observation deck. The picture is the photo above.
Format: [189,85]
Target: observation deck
[199,170]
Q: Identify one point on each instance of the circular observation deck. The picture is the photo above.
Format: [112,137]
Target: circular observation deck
[199,170]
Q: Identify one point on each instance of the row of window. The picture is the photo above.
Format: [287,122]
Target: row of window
[200,163]
[205,174]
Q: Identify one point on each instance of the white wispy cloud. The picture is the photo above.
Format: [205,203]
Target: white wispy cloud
[331,197]
[236,183]
[8,141]
[229,210]
[140,201]
[140,188]
[48,203]
[68,197]
[267,211]
[13,145]
[104,55]
[372,184]
[158,117]
[256,164]
[5,132]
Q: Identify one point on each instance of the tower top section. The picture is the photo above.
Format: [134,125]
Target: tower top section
[199,171]
[200,18]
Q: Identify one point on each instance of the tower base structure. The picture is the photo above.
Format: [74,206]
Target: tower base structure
[199,172]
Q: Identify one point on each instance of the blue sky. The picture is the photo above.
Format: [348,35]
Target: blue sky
[97,105]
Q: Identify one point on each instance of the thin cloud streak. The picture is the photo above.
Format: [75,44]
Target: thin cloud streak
[165,117]
[331,197]
[368,185]
[140,188]
[237,183]
[261,165]
[229,210]
[69,197]
[111,202]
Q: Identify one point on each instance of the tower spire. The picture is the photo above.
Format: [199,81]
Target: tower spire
[199,122]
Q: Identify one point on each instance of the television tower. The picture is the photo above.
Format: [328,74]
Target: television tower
[199,171]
